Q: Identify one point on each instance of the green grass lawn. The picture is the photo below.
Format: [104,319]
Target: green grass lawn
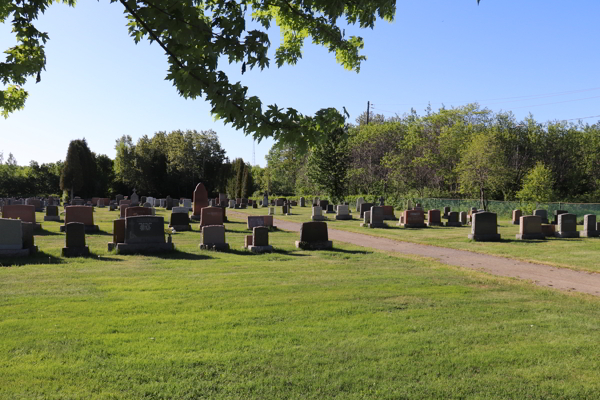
[346,323]
[579,254]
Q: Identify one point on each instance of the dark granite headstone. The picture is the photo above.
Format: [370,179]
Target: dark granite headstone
[180,222]
[365,207]
[484,227]
[314,236]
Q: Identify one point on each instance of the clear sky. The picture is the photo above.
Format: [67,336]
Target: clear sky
[535,56]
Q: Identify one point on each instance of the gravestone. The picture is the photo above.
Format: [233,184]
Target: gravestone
[213,238]
[388,213]
[118,233]
[302,202]
[119,197]
[100,203]
[163,203]
[180,222]
[381,201]
[265,201]
[317,214]
[222,199]
[548,230]
[122,209]
[364,207]
[144,234]
[52,214]
[126,202]
[231,203]
[254,205]
[82,214]
[28,237]
[556,214]
[314,236]
[330,209]
[516,217]
[180,210]
[75,241]
[316,201]
[566,226]
[271,210]
[136,211]
[484,227]
[248,241]
[413,219]
[187,203]
[343,212]
[366,218]
[375,218]
[268,221]
[147,205]
[446,212]
[543,214]
[169,203]
[254,221]
[359,201]
[135,199]
[453,219]
[462,217]
[25,213]
[434,218]
[11,238]
[260,240]
[530,227]
[211,216]
[590,227]
[279,202]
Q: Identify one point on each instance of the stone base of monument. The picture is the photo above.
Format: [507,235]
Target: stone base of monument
[413,225]
[140,248]
[55,218]
[589,234]
[14,253]
[455,224]
[314,245]
[566,235]
[374,225]
[343,217]
[83,251]
[485,238]
[435,224]
[318,218]
[181,228]
[260,249]
[214,246]
[530,236]
[88,228]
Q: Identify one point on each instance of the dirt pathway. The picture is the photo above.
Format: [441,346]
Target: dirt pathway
[542,275]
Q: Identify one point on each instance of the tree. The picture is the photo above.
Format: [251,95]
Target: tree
[196,35]
[328,165]
[71,178]
[537,185]
[482,167]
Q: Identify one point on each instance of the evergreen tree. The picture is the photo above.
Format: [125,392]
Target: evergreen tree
[328,165]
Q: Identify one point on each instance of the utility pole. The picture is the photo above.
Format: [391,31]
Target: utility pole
[368,111]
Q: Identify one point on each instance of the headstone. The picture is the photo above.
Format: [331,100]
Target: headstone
[254,221]
[180,221]
[231,203]
[343,213]
[260,240]
[169,203]
[268,221]
[271,210]
[388,213]
[118,233]
[330,209]
[265,201]
[366,218]
[254,205]
[285,210]
[213,238]
[323,204]
[484,227]
[118,198]
[317,214]
[364,207]
[180,210]
[453,219]
[75,240]
[376,218]
[25,213]
[566,226]
[187,203]
[548,230]
[136,211]
[163,203]
[302,202]
[381,201]
[126,202]
[211,216]
[135,199]
[144,234]
[359,201]
[100,203]
[82,214]
[147,205]
[462,217]
[248,241]
[530,227]
[556,214]
[28,237]
[294,203]
[413,219]
[446,212]
[516,217]
[314,236]
[122,209]
[434,218]
[316,201]
[52,214]
[590,227]
[543,214]
[222,199]
[11,238]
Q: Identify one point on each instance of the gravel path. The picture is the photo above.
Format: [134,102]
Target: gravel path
[542,275]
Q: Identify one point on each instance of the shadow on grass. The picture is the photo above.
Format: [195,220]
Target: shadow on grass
[179,255]
[99,232]
[44,232]
[38,258]
[338,250]
[104,258]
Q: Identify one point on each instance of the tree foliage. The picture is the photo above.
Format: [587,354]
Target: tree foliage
[328,165]
[537,185]
[197,35]
[79,170]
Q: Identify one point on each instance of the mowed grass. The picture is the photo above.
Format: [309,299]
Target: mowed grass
[579,254]
[348,323]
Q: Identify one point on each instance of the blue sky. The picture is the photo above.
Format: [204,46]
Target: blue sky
[526,56]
